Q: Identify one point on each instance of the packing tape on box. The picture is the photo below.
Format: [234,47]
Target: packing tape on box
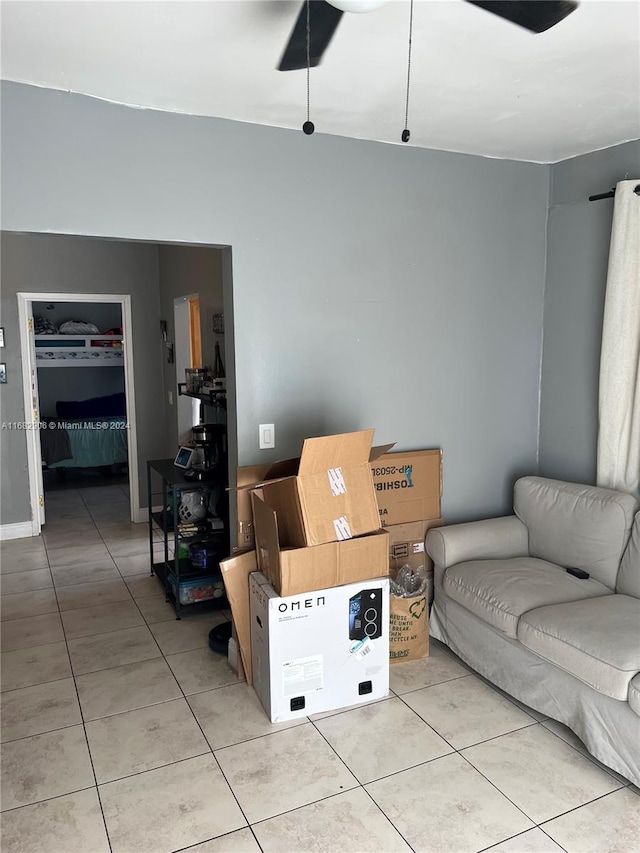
[336,481]
[343,531]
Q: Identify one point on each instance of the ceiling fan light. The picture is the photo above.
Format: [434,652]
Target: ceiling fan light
[358,5]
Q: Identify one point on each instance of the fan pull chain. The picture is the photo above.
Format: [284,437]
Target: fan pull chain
[406,133]
[308,127]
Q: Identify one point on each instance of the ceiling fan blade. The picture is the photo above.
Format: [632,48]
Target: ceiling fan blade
[534,15]
[323,21]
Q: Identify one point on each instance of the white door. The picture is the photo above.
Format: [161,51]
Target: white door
[187,408]
[35,412]
[31,396]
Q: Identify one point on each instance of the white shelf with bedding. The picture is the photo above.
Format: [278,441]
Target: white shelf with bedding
[79,351]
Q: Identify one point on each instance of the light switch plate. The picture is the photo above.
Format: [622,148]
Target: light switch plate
[267,436]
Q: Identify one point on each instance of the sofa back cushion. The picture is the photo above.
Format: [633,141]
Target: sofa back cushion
[576,526]
[629,574]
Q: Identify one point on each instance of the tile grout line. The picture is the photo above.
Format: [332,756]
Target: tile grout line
[48,731]
[150,769]
[518,835]
[534,722]
[218,838]
[360,784]
[206,740]
[552,839]
[48,799]
[459,752]
[209,749]
[496,737]
[38,683]
[577,808]
[435,684]
[587,754]
[84,729]
[323,800]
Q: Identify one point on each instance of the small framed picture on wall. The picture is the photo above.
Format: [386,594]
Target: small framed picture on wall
[3,374]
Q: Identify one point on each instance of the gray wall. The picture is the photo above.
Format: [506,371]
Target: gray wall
[373,285]
[186,270]
[578,249]
[46,262]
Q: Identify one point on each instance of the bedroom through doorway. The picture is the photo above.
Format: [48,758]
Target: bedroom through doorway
[82,401]
[78,383]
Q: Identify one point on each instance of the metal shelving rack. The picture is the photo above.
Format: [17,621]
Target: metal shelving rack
[212,397]
[174,479]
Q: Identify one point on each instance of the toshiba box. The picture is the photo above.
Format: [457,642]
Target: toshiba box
[321,650]
[408,486]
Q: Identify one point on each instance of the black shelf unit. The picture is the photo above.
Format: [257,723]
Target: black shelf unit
[174,479]
[213,397]
[161,571]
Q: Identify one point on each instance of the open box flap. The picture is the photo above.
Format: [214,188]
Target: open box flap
[283,468]
[277,471]
[266,532]
[335,451]
[235,573]
[251,474]
[377,452]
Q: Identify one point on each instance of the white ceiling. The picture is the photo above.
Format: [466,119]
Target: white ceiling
[479,84]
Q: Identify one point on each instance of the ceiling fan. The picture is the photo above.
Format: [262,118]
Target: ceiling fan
[324,17]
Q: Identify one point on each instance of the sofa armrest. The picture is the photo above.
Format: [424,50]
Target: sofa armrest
[490,539]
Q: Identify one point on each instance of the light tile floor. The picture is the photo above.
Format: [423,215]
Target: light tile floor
[122,732]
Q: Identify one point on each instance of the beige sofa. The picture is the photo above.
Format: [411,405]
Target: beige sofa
[567,646]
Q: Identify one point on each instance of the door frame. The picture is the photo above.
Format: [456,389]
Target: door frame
[34,456]
[184,403]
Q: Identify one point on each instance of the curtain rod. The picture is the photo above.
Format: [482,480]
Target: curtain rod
[611,194]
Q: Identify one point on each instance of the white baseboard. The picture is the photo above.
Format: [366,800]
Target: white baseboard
[141,514]
[21,530]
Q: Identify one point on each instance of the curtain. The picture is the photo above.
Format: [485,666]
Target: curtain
[619,404]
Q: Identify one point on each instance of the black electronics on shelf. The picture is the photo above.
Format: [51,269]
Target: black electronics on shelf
[205,539]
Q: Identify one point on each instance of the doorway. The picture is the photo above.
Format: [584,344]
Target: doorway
[151,275]
[188,354]
[101,434]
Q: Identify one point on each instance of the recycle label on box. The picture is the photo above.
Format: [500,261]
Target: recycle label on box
[408,628]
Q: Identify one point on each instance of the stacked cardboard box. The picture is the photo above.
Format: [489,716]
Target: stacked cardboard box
[316,530]
[408,488]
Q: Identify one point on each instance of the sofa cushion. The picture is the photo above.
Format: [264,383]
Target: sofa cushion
[597,640]
[500,591]
[634,695]
[576,526]
[629,574]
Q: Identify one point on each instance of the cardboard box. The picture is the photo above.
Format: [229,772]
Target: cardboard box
[406,544]
[235,573]
[321,651]
[408,486]
[244,477]
[326,495]
[296,570]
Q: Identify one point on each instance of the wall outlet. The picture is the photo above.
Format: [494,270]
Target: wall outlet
[267,436]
